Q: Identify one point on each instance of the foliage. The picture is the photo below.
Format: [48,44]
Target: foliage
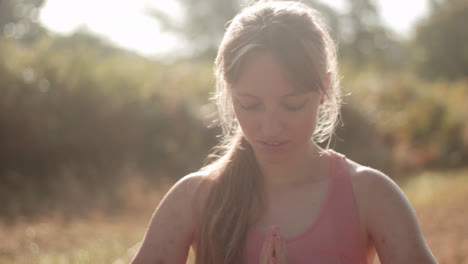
[364,40]
[424,123]
[441,42]
[359,31]
[76,112]
[72,115]
[18,19]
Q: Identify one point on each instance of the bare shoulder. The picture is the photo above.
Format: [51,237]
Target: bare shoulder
[388,217]
[187,196]
[172,226]
[191,185]
[363,175]
[369,184]
[194,188]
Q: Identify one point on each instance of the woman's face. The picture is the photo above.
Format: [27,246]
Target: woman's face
[277,119]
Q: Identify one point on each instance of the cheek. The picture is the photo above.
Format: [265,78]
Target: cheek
[247,121]
[303,127]
[305,124]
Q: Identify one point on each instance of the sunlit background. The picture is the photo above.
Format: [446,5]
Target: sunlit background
[129,25]
[104,105]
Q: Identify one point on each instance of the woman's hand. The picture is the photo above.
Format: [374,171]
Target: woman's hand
[274,249]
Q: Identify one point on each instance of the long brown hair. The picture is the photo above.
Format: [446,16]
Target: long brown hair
[296,35]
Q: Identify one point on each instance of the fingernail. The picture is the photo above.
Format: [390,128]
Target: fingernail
[277,230]
[271,231]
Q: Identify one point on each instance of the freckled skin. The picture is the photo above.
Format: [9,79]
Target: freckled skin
[382,241]
[389,220]
[170,232]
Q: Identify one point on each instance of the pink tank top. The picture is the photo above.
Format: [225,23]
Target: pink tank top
[335,236]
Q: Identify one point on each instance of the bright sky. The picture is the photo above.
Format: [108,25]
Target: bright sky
[126,24]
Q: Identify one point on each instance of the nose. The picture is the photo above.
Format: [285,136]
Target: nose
[271,124]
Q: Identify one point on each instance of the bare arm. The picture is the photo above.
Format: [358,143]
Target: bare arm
[391,222]
[170,232]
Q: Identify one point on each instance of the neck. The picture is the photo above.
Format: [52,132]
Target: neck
[304,166]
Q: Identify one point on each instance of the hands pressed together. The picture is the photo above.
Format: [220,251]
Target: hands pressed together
[274,248]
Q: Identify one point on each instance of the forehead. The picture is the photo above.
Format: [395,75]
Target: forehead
[262,75]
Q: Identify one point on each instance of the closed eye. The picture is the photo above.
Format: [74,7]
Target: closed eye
[295,107]
[248,106]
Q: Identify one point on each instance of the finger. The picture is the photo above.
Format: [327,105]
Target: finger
[272,260]
[277,247]
[280,250]
[276,230]
[267,249]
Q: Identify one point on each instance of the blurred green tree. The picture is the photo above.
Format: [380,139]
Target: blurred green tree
[19,19]
[359,30]
[365,40]
[441,41]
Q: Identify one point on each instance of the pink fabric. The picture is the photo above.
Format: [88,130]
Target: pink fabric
[334,237]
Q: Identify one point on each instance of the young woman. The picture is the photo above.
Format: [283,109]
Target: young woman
[273,195]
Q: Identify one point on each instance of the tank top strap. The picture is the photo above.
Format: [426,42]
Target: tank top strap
[338,165]
[340,175]
[344,214]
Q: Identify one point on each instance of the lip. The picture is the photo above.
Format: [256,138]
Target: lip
[273,145]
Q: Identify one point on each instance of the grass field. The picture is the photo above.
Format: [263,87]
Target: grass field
[439,199]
